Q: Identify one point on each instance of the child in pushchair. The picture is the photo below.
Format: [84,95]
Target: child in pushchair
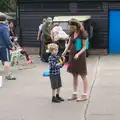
[22,51]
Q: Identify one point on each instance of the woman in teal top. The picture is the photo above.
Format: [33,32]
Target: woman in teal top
[77,58]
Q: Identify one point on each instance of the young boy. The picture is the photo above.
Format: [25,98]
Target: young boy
[55,63]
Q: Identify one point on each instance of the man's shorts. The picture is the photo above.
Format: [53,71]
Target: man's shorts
[4,55]
[55,81]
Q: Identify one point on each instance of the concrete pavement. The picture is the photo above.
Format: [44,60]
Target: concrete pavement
[29,97]
[105,97]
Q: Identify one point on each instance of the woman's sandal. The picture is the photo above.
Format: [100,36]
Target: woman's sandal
[84,97]
[73,97]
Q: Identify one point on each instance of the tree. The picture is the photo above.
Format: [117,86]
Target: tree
[7,5]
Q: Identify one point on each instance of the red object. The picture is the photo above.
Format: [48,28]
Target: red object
[29,62]
[67,65]
[13,50]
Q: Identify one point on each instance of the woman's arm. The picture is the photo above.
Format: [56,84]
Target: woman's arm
[84,36]
[83,48]
[68,46]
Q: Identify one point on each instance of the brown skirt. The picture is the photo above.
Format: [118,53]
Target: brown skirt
[77,66]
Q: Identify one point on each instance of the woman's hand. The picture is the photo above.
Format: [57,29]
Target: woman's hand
[77,56]
[64,53]
[38,38]
[63,58]
[58,64]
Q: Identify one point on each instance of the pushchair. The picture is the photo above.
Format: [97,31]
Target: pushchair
[18,52]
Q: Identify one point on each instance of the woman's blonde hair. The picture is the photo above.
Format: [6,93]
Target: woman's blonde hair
[52,47]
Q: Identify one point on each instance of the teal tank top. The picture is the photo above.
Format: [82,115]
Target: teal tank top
[79,46]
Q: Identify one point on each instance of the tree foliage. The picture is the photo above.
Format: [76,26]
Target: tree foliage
[7,5]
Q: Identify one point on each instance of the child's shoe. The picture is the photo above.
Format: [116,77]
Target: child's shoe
[29,62]
[59,98]
[55,100]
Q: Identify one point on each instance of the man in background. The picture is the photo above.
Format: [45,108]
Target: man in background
[5,46]
[39,35]
[46,37]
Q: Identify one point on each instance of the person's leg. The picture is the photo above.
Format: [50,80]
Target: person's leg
[6,60]
[39,52]
[58,91]
[75,82]
[42,50]
[84,96]
[53,93]
[53,86]
[2,63]
[85,84]
[1,57]
[7,67]
[58,95]
[59,85]
[23,52]
[13,61]
[75,87]
[54,99]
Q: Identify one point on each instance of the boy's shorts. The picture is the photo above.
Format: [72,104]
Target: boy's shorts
[55,81]
[4,55]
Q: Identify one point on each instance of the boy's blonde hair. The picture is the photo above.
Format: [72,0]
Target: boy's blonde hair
[52,47]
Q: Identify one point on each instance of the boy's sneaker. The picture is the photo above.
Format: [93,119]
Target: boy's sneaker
[10,77]
[59,98]
[55,100]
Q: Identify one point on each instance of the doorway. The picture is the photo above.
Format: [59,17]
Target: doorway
[114,32]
